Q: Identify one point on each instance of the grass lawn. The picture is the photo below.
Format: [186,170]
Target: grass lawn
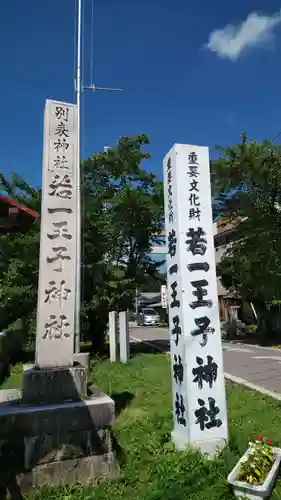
[151,469]
[13,381]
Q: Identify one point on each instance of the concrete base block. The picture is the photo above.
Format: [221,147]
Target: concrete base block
[56,444]
[65,473]
[54,385]
[83,358]
[7,395]
[209,447]
[65,446]
[17,419]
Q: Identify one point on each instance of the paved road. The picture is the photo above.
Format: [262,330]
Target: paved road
[258,365]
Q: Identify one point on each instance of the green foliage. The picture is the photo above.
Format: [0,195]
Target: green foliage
[123,213]
[19,258]
[257,465]
[251,329]
[153,283]
[123,210]
[250,174]
[150,467]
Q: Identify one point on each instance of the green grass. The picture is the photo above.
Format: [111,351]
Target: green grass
[150,468]
[13,381]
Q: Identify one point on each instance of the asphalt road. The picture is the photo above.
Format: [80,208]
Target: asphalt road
[258,365]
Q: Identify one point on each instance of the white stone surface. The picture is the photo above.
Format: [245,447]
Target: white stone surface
[7,395]
[124,337]
[164,301]
[56,290]
[199,403]
[113,336]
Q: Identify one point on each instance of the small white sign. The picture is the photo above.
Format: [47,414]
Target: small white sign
[199,402]
[56,290]
[164,301]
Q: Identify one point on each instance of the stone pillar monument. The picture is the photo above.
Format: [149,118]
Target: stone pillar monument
[199,403]
[58,430]
[113,336]
[56,290]
[124,336]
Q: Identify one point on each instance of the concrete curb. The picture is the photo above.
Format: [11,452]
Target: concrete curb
[254,387]
[228,376]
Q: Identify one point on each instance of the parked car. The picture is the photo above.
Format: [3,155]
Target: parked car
[148,317]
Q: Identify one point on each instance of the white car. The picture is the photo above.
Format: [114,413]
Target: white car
[148,317]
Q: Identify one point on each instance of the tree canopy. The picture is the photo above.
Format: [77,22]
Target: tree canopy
[247,178]
[122,214]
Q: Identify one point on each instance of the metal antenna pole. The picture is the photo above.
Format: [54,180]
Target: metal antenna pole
[94,88]
[79,88]
[78,190]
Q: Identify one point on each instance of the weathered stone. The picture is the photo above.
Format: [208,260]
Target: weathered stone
[94,391]
[49,448]
[7,395]
[56,444]
[28,366]
[54,385]
[58,248]
[62,473]
[83,358]
[20,420]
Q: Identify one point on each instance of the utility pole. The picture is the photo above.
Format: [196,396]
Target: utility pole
[78,89]
[78,180]
[137,303]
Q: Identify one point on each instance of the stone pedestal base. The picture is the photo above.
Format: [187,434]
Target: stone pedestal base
[54,385]
[83,358]
[211,447]
[55,444]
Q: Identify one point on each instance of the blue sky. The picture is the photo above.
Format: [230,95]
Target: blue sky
[186,76]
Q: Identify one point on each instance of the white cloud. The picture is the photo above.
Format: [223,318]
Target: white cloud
[231,41]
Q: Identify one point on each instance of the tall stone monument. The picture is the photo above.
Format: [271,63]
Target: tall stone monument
[199,402]
[57,430]
[56,291]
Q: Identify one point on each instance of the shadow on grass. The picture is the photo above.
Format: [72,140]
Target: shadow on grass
[23,356]
[136,348]
[122,400]
[4,375]
[151,347]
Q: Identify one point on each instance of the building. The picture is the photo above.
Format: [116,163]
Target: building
[229,303]
[14,216]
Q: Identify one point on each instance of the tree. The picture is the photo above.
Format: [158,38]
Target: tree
[123,212]
[153,283]
[248,180]
[19,258]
